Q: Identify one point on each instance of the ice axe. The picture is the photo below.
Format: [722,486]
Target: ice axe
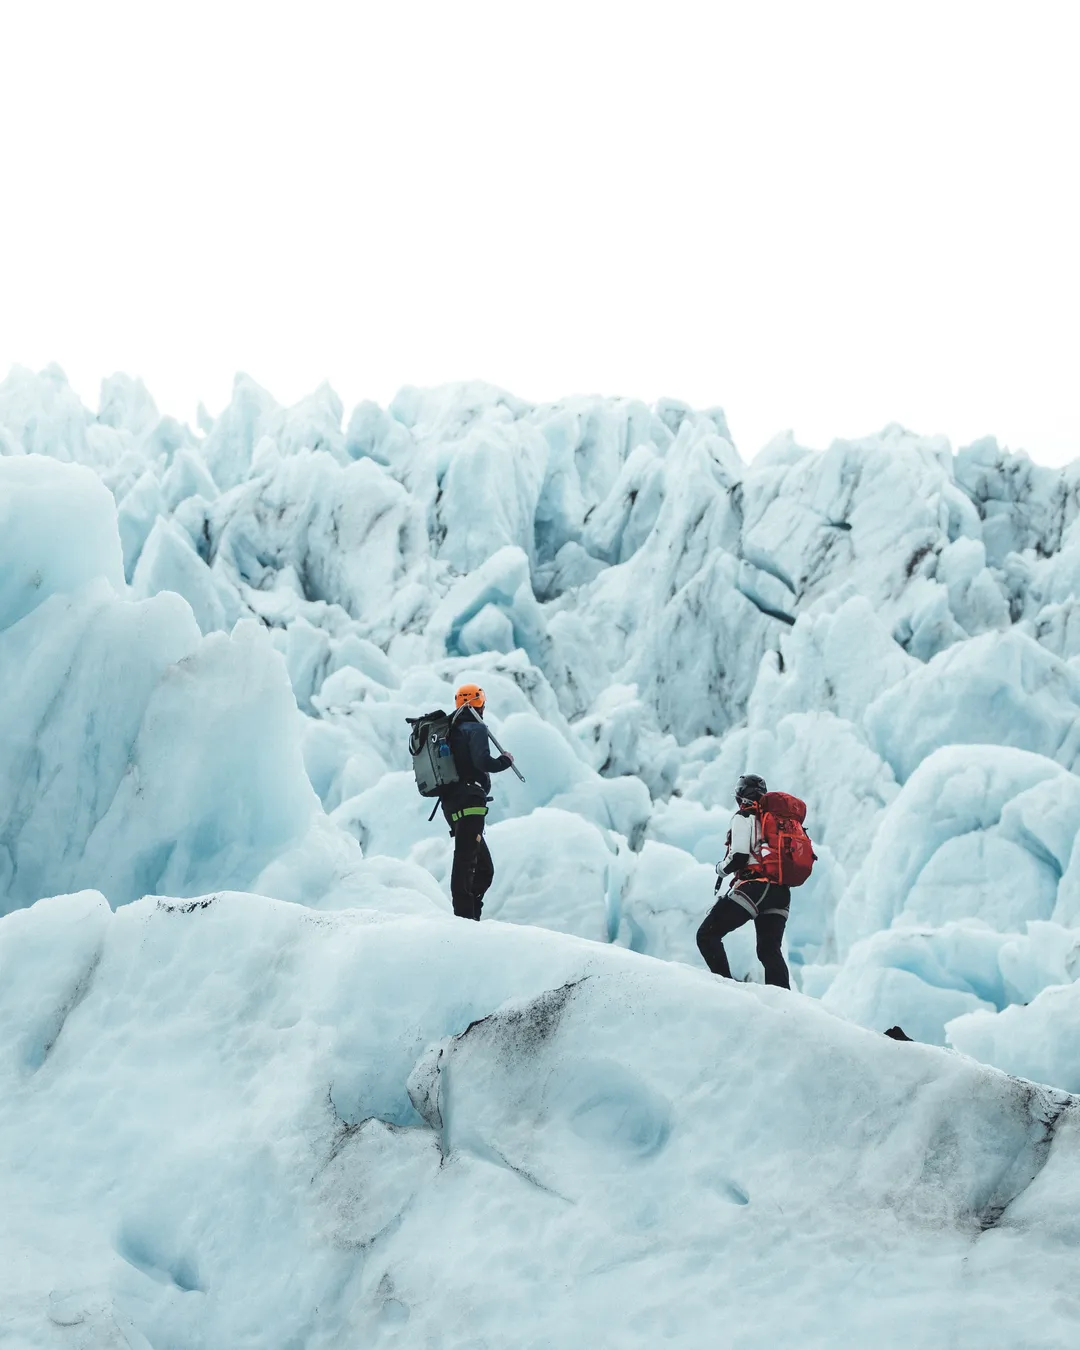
[495,743]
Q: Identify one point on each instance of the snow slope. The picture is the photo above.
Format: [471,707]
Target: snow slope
[270,1126]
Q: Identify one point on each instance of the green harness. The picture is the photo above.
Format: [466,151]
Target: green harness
[468,811]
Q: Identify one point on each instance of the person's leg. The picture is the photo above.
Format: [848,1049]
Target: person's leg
[461,874]
[483,874]
[770,932]
[724,917]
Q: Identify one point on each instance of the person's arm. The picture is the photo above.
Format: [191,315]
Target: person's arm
[479,751]
[740,845]
[482,752]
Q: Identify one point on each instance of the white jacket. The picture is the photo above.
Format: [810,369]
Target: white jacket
[743,836]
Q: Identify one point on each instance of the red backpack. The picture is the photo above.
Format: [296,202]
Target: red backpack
[787,856]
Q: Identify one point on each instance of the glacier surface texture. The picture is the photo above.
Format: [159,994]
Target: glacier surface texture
[259,1088]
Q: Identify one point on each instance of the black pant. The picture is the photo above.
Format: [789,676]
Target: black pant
[727,915]
[473,870]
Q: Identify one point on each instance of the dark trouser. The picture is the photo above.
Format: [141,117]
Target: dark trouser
[473,870]
[769,912]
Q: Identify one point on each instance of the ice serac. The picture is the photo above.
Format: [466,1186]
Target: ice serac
[40,414]
[229,446]
[887,515]
[834,660]
[1024,506]
[953,844]
[488,493]
[126,404]
[702,631]
[1036,1040]
[226,1120]
[168,562]
[134,755]
[138,756]
[57,534]
[994,690]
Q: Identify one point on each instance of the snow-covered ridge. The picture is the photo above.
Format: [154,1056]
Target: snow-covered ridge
[885,628]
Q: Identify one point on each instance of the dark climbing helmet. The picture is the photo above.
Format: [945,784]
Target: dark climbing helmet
[750,788]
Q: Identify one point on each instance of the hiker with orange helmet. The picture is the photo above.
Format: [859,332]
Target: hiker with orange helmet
[464,803]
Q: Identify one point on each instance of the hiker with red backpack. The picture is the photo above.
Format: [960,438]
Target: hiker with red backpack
[768,852]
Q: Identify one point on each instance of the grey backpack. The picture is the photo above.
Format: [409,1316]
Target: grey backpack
[432,757]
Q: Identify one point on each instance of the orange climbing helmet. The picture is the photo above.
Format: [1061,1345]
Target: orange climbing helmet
[472,696]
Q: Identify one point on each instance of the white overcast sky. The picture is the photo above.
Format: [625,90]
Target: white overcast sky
[820,216]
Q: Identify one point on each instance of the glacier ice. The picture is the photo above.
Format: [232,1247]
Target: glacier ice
[58,532]
[134,753]
[271,1125]
[209,641]
[830,618]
